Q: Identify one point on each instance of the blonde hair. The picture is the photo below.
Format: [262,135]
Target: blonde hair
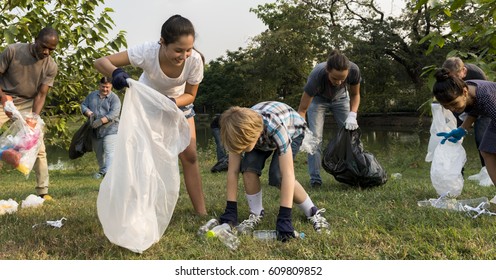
[454,64]
[239,128]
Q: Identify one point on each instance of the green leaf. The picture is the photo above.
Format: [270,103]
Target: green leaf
[457,4]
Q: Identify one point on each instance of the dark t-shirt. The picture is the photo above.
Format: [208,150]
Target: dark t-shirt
[485,100]
[474,72]
[318,82]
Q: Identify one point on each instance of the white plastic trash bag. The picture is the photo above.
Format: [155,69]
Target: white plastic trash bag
[32,201]
[442,121]
[446,169]
[139,192]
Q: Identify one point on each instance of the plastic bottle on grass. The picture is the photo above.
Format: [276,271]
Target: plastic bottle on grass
[207,226]
[224,234]
[475,202]
[272,234]
[454,204]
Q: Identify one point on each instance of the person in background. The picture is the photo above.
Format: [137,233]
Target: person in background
[27,72]
[252,135]
[103,108]
[331,86]
[222,158]
[468,71]
[476,98]
[174,68]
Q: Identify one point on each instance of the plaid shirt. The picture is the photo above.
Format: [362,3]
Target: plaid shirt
[281,124]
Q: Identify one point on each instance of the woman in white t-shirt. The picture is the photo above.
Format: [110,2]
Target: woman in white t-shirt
[174,68]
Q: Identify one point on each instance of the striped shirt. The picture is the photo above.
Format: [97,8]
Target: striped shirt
[282,124]
[485,100]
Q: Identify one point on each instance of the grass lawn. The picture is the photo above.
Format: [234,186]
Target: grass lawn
[383,223]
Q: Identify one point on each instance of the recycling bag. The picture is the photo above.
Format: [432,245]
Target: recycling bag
[81,141]
[446,168]
[20,143]
[345,159]
[139,192]
[442,121]
[447,159]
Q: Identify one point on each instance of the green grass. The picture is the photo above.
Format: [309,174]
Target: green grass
[383,223]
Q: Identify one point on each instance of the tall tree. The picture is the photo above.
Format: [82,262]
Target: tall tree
[84,36]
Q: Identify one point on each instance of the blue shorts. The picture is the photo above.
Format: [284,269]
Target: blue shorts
[254,161]
[188,110]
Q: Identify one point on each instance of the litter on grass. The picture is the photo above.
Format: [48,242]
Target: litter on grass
[32,201]
[8,206]
[473,207]
[57,223]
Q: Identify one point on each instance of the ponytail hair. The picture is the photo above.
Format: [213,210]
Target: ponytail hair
[337,61]
[447,87]
[175,27]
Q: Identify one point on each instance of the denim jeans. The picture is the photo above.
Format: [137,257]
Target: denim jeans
[340,108]
[104,150]
[221,154]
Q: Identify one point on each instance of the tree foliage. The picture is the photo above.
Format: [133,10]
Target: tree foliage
[467,25]
[83,37]
[390,51]
[226,83]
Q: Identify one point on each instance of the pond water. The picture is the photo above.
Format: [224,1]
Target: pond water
[374,138]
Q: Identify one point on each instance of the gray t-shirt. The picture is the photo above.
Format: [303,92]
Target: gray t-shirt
[318,82]
[21,74]
[474,72]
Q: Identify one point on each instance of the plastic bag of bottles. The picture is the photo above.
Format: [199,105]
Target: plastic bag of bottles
[20,143]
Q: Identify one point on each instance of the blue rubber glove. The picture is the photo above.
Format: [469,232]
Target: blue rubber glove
[453,136]
[119,77]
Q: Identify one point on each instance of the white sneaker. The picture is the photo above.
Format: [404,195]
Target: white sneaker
[486,181]
[493,200]
[478,176]
[320,223]
[247,226]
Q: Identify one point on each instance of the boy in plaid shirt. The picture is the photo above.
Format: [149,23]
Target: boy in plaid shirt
[252,135]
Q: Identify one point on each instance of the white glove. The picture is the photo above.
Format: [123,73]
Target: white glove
[11,110]
[9,107]
[351,122]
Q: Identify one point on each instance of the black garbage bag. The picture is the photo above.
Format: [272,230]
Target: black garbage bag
[81,141]
[345,159]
